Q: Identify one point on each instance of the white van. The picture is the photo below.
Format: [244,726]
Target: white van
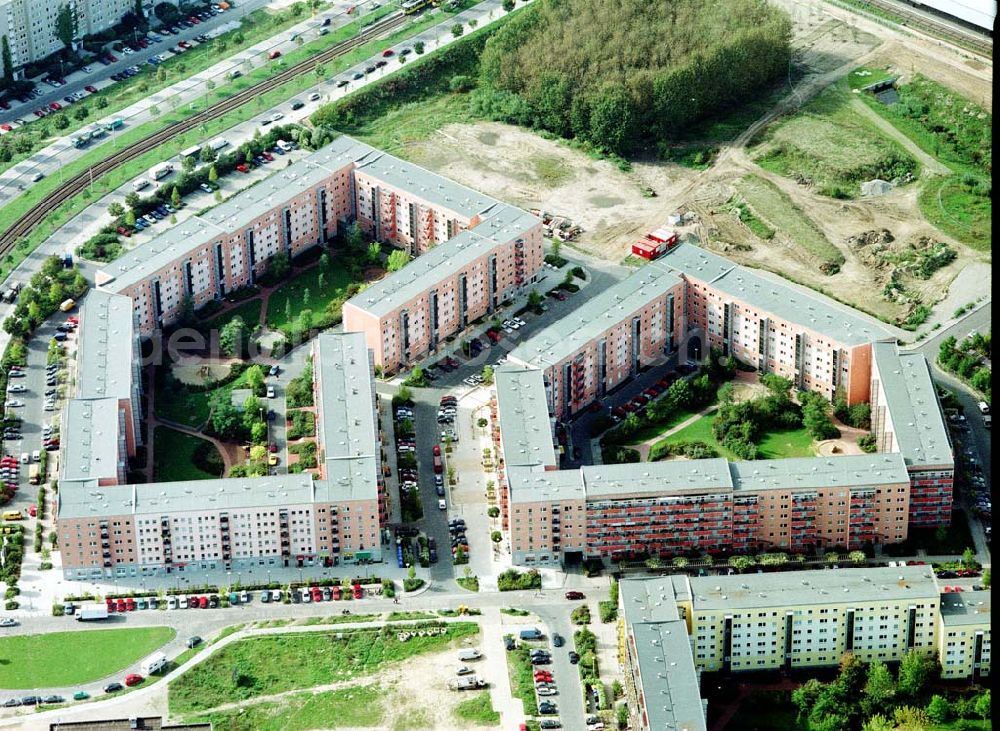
[286,146]
[984,408]
[36,456]
[442,505]
[140,184]
[471,654]
[153,664]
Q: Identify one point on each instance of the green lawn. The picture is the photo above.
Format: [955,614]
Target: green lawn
[774,445]
[355,706]
[522,683]
[651,431]
[265,665]
[182,407]
[961,211]
[61,659]
[302,292]
[828,143]
[413,121]
[478,710]
[249,311]
[175,458]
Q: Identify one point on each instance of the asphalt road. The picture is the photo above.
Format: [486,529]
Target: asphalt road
[566,676]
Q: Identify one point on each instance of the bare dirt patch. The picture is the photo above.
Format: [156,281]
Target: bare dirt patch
[193,371]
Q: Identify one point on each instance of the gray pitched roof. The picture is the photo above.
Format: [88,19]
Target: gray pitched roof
[501,224]
[566,336]
[805,588]
[807,309]
[910,396]
[107,338]
[90,451]
[525,428]
[966,608]
[670,682]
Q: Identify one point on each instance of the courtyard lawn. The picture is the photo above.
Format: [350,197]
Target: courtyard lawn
[182,406]
[178,456]
[652,431]
[773,445]
[62,659]
[273,664]
[249,311]
[354,706]
[302,292]
[478,710]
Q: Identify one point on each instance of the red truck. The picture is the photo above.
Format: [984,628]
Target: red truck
[438,464]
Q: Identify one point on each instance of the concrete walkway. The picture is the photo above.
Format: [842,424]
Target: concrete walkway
[644,447]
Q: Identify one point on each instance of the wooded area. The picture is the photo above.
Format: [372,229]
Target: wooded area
[614,74]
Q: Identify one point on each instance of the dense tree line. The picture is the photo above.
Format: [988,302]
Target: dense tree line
[968,360]
[610,73]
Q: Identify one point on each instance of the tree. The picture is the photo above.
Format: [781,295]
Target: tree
[493,512]
[374,253]
[175,198]
[6,60]
[969,559]
[507,5]
[213,174]
[457,30]
[939,709]
[879,687]
[987,576]
[496,536]
[984,705]
[130,218]
[254,376]
[207,154]
[857,557]
[138,10]
[914,672]
[487,375]
[535,298]
[258,432]
[188,164]
[325,261]
[878,722]
[418,48]
[66,25]
[258,453]
[234,337]
[611,119]
[226,420]
[115,209]
[279,265]
[354,237]
[473,22]
[804,697]
[132,200]
[908,718]
[397,260]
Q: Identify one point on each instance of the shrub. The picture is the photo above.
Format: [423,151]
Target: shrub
[580,615]
[412,584]
[513,580]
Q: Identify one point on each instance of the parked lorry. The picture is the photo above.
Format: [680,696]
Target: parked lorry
[470,682]
[92,612]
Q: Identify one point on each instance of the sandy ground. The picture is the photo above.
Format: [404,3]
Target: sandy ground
[198,373]
[525,169]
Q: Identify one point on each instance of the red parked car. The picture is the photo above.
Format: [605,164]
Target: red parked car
[55,106]
[358,592]
[133,679]
[124,231]
[111,604]
[203,602]
[336,593]
[388,52]
[120,606]
[317,595]
[267,156]
[91,88]
[274,54]
[243,168]
[130,604]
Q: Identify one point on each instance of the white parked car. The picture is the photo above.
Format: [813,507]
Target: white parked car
[276,116]
[16,388]
[270,391]
[15,402]
[8,622]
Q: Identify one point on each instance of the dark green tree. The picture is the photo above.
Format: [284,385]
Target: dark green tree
[6,60]
[66,25]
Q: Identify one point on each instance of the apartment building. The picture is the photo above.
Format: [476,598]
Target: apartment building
[630,325]
[410,312]
[662,684]
[488,251]
[347,432]
[964,635]
[100,424]
[774,326]
[612,512]
[108,529]
[30,26]
[907,417]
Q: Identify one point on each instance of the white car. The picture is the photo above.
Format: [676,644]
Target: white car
[442,505]
[469,382]
[519,321]
[86,69]
[8,622]
[270,391]
[49,406]
[314,97]
[15,402]
[127,51]
[16,388]
[276,116]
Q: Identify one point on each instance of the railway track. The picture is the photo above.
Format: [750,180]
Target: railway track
[71,187]
[928,24]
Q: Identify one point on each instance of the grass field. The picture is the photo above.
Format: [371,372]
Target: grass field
[62,659]
[174,456]
[355,706]
[273,664]
[302,292]
[652,431]
[773,445]
[249,311]
[959,210]
[827,143]
[777,210]
[522,682]
[478,710]
[182,407]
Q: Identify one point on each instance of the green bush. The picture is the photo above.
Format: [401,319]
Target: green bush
[412,584]
[514,580]
[580,615]
[608,610]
